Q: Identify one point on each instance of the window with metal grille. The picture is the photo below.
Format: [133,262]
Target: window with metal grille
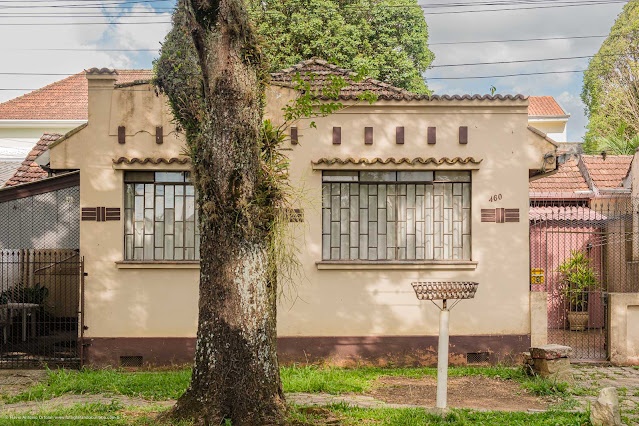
[160,216]
[402,215]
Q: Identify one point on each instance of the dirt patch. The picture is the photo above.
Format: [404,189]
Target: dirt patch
[474,392]
[13,382]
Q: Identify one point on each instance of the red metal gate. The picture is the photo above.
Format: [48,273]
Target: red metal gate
[579,252]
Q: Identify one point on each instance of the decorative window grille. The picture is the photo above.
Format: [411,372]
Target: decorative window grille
[160,217]
[403,215]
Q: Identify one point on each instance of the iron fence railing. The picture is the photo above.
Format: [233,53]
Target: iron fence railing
[40,298]
[582,249]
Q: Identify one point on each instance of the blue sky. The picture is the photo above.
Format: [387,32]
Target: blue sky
[18,43]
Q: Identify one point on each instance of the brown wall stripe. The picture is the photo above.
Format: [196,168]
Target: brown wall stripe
[368,135]
[500,215]
[121,134]
[100,214]
[294,140]
[159,136]
[399,135]
[463,135]
[432,135]
[337,135]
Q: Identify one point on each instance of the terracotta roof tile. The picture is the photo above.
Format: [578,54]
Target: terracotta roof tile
[29,171]
[322,70]
[608,172]
[544,105]
[564,213]
[411,161]
[567,179]
[66,99]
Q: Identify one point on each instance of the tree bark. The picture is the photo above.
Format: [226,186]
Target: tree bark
[220,107]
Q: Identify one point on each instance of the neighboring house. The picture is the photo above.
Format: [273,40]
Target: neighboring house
[412,188]
[57,108]
[545,114]
[585,206]
[29,170]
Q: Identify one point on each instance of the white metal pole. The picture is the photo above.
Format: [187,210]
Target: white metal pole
[442,358]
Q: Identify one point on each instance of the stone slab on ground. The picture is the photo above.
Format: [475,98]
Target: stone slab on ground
[605,411]
[550,352]
[557,370]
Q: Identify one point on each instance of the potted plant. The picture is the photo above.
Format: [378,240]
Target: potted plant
[578,279]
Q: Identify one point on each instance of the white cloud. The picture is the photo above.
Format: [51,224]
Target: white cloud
[22,38]
[537,23]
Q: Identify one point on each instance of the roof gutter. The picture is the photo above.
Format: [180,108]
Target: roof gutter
[39,124]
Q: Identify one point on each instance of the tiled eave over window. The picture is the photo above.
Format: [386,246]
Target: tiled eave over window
[465,163]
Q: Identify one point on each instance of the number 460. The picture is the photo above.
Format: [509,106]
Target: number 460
[496,197]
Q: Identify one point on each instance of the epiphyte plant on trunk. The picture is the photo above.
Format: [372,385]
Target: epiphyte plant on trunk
[213,74]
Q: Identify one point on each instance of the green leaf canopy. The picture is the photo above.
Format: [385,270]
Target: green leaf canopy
[387,39]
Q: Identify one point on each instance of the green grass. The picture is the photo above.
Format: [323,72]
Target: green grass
[341,380]
[162,385]
[343,414]
[348,415]
[159,385]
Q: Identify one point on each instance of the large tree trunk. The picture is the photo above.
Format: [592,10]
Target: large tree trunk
[236,374]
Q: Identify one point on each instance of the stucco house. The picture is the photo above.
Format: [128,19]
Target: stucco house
[62,106]
[410,188]
[587,206]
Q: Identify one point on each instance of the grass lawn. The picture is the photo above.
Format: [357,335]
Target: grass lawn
[170,384]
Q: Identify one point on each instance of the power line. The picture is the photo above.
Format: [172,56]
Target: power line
[517,40]
[79,49]
[18,73]
[504,75]
[575,4]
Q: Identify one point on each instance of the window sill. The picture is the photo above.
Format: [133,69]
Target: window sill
[158,264]
[448,265]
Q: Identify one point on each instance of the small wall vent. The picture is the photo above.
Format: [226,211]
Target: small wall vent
[477,357]
[130,361]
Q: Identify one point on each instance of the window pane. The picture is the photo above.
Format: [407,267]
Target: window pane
[412,176]
[403,221]
[377,176]
[339,176]
[452,176]
[169,176]
[152,231]
[138,177]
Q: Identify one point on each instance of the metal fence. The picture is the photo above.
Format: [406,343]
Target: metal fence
[40,301]
[580,251]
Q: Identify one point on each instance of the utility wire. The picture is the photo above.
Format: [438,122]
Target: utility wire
[88,49]
[18,73]
[589,3]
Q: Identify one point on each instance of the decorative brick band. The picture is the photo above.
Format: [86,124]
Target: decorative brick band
[100,214]
[500,215]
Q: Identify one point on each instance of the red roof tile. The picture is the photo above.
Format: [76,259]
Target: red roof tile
[564,213]
[29,171]
[567,179]
[608,172]
[66,99]
[544,105]
[322,71]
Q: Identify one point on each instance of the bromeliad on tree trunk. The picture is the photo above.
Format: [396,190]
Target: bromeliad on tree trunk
[213,74]
[212,71]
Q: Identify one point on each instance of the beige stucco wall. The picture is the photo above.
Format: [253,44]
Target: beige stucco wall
[624,333]
[153,301]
